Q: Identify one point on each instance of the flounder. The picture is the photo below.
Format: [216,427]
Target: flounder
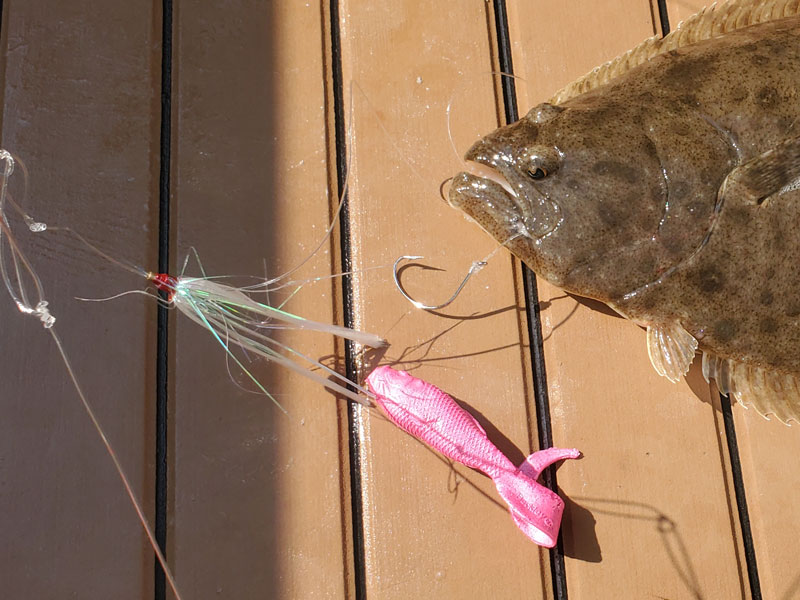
[666,184]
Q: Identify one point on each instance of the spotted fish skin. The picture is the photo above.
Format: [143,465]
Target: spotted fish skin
[667,193]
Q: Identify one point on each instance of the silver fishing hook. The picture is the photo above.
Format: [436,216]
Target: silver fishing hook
[476,266]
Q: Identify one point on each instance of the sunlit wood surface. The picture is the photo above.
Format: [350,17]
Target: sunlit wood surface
[325,501]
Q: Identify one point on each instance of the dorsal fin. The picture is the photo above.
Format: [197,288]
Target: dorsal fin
[710,22]
[769,392]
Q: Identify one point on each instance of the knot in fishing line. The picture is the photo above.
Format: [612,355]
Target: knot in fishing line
[7,156]
[35,226]
[41,312]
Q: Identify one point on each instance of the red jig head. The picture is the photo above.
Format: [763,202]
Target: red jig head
[165,283]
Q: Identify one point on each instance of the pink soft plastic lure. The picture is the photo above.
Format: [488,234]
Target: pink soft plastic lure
[427,413]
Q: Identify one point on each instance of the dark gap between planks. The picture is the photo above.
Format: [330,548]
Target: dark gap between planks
[741,500]
[663,17]
[162,348]
[543,424]
[356,506]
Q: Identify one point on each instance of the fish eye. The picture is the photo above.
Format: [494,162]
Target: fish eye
[537,173]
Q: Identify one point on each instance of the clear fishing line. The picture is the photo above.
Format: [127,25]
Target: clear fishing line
[231,314]
[14,276]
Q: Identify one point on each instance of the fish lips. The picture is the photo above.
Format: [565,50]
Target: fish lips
[489,199]
[487,203]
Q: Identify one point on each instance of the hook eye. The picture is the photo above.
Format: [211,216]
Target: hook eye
[476,266]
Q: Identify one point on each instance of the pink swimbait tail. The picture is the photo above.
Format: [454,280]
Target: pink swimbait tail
[433,417]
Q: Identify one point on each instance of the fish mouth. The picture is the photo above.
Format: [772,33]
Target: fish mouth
[486,195]
[487,198]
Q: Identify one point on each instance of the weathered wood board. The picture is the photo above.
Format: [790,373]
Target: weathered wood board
[307,504]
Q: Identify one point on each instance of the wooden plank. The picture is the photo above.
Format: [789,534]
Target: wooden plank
[683,9]
[79,93]
[650,511]
[432,531]
[770,482]
[258,500]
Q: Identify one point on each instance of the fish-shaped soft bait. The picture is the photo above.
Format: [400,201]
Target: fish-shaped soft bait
[667,185]
[430,415]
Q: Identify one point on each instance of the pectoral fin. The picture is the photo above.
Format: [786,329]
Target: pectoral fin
[759,178]
[671,349]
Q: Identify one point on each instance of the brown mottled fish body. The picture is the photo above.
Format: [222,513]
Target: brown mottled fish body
[672,193]
[717,107]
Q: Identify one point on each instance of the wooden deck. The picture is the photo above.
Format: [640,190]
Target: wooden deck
[269,106]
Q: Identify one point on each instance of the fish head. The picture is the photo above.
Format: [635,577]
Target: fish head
[575,195]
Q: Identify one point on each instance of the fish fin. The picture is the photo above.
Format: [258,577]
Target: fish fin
[769,392]
[709,23]
[671,349]
[759,178]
